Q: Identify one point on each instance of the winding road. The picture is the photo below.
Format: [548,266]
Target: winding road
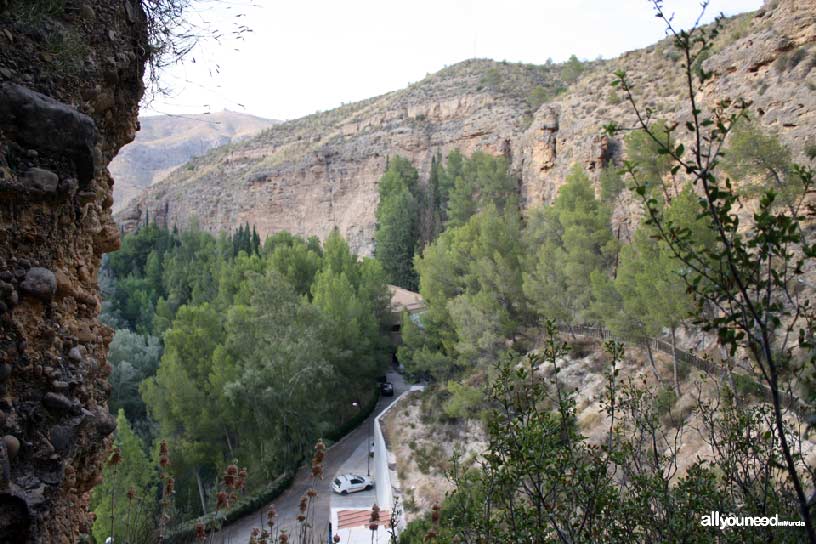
[338,455]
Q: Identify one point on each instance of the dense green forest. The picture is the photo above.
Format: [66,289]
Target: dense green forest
[492,274]
[492,279]
[489,275]
[411,215]
[502,290]
[235,349]
[234,352]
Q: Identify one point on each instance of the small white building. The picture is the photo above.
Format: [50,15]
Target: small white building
[403,300]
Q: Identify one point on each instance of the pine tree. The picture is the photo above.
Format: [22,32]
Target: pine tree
[124,503]
[256,242]
[398,227]
[567,242]
[484,180]
[396,238]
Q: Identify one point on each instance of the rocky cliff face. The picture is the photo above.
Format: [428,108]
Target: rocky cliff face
[313,174]
[767,57]
[165,142]
[70,82]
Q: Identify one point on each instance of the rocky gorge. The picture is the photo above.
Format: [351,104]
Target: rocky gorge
[165,142]
[71,78]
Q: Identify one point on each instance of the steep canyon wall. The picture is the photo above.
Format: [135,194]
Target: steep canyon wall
[311,175]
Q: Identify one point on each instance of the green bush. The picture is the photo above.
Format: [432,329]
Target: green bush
[537,97]
[790,60]
[810,150]
[698,63]
[572,69]
[491,79]
[430,458]
[746,386]
[665,401]
[433,399]
[463,402]
[355,421]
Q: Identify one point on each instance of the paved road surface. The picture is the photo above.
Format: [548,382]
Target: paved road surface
[356,463]
[336,457]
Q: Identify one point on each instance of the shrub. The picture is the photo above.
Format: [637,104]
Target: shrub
[463,401]
[572,69]
[746,386]
[698,63]
[672,54]
[430,458]
[537,97]
[796,57]
[790,60]
[665,401]
[613,98]
[432,401]
[491,79]
[810,150]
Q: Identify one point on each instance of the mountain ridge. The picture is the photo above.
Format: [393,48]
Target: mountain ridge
[167,141]
[313,174]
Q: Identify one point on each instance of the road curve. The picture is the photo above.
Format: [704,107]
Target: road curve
[287,503]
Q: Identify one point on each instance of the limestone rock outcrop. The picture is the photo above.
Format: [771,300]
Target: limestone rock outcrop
[311,175]
[70,83]
[753,58]
[165,142]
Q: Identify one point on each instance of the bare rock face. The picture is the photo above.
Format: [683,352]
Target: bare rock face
[46,125]
[314,174]
[311,175]
[56,139]
[753,58]
[165,142]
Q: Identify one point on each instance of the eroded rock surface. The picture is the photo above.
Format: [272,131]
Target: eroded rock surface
[311,175]
[70,82]
[165,142]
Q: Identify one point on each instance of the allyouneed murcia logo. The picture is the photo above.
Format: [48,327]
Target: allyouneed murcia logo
[715,519]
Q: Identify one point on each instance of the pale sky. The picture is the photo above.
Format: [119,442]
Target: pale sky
[310,55]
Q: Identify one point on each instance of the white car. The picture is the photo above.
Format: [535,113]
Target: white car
[351,483]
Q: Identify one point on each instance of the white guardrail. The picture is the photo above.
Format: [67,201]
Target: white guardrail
[385,470]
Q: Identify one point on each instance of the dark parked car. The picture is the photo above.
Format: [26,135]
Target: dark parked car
[387,389]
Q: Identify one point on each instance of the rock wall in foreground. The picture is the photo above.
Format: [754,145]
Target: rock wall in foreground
[70,83]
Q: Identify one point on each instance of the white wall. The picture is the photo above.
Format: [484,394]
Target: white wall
[384,477]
